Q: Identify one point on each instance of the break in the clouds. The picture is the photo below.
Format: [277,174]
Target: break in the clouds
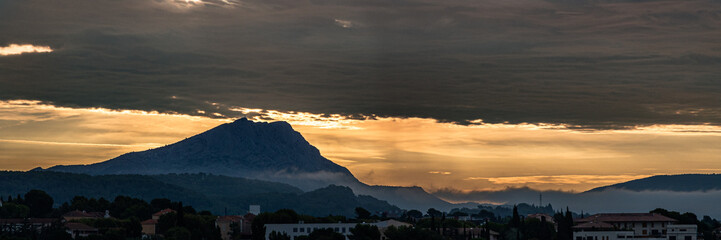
[584,64]
[379,150]
[17,49]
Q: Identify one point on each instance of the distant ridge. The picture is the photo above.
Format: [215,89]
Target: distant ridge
[202,191]
[674,183]
[255,150]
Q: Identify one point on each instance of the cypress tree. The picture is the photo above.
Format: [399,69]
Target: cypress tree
[516,220]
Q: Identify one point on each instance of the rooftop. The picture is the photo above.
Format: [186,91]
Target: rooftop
[79,226]
[163,212]
[626,217]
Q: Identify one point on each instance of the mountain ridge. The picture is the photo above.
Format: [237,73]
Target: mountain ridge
[256,150]
[674,183]
[216,193]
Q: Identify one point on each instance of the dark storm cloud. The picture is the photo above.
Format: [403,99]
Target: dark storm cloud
[591,65]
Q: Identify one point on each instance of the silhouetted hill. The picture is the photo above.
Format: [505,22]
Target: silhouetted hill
[203,191]
[254,150]
[257,150]
[675,183]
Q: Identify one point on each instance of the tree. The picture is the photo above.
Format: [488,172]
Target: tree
[516,219]
[278,236]
[39,202]
[434,213]
[14,210]
[415,214]
[160,204]
[364,232]
[178,233]
[362,213]
[325,234]
[410,233]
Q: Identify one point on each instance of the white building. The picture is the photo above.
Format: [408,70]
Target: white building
[303,229]
[681,232]
[613,226]
[254,209]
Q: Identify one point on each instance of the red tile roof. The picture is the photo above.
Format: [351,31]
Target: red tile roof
[149,222]
[163,212]
[79,226]
[229,218]
[626,217]
[594,225]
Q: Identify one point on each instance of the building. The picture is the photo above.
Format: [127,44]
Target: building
[150,226]
[254,209]
[613,226]
[303,229]
[228,224]
[80,230]
[681,232]
[18,224]
[76,215]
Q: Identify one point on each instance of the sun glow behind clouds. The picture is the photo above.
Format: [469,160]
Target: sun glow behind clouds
[379,150]
[17,49]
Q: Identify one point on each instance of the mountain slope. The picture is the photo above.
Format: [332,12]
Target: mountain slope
[675,183]
[254,150]
[202,191]
[267,151]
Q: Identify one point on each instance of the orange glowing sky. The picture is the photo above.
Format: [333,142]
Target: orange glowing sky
[469,95]
[390,151]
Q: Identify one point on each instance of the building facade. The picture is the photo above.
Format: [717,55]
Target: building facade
[303,229]
[649,226]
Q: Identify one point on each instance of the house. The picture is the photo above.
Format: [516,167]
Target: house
[76,215]
[228,224]
[18,224]
[150,226]
[473,233]
[650,226]
[303,229]
[543,217]
[79,230]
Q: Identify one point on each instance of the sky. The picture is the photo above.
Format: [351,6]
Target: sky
[456,94]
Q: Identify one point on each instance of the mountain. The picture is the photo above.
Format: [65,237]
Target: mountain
[257,150]
[254,150]
[696,193]
[675,183]
[202,191]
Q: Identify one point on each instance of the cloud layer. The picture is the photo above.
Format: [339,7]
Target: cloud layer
[600,64]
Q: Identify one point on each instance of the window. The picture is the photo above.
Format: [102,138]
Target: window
[682,230]
[302,229]
[579,238]
[644,225]
[337,229]
[295,229]
[651,224]
[687,238]
[308,230]
[645,232]
[342,230]
[671,237]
